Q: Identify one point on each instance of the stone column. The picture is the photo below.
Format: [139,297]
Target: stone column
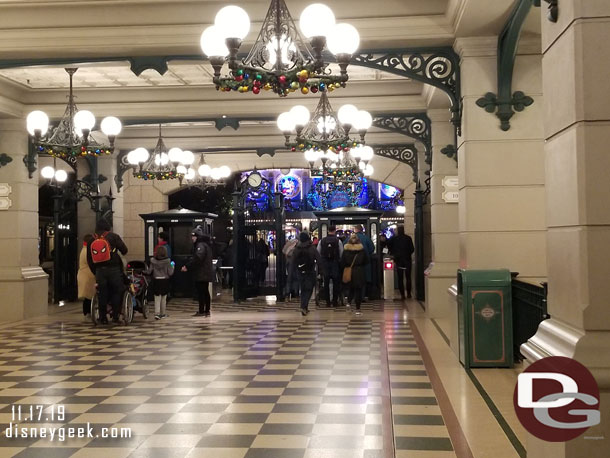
[23,284]
[501,174]
[576,63]
[444,223]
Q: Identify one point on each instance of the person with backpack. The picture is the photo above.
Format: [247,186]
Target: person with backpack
[161,268]
[402,249]
[107,266]
[354,261]
[331,250]
[202,268]
[306,258]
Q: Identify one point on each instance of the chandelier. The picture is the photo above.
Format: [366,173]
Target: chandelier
[324,138]
[71,137]
[162,164]
[280,60]
[206,176]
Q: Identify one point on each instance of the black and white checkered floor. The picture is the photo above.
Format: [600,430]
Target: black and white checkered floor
[239,384]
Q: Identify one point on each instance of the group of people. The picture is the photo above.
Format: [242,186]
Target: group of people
[101,271]
[345,265]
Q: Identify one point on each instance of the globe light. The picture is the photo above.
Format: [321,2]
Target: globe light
[355,152]
[347,113]
[232,22]
[132,157]
[300,115]
[400,209]
[37,120]
[366,153]
[361,165]
[175,155]
[317,20]
[332,156]
[326,124]
[216,174]
[205,170]
[181,170]
[142,154]
[161,159]
[47,172]
[368,170]
[188,157]
[213,42]
[286,47]
[225,171]
[111,126]
[83,121]
[311,155]
[190,174]
[333,165]
[285,122]
[363,120]
[61,176]
[343,39]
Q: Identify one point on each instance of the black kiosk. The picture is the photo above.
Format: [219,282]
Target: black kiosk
[178,223]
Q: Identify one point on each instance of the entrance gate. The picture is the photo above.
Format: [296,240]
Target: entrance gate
[258,240]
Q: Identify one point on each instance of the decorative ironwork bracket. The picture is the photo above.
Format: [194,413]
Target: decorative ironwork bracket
[260,152]
[413,125]
[439,67]
[121,167]
[5,159]
[450,151]
[221,123]
[553,9]
[405,153]
[506,103]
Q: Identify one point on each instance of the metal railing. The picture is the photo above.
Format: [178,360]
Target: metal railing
[529,310]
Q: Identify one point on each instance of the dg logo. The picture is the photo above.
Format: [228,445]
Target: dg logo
[557,399]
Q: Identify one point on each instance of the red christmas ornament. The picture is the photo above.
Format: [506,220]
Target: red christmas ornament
[257,83]
[239,78]
[314,89]
[256,89]
[282,79]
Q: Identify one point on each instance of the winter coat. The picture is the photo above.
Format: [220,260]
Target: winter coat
[402,248]
[167,247]
[85,278]
[369,249]
[200,265]
[351,251]
[160,268]
[311,253]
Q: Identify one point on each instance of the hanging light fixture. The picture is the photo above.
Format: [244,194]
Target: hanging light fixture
[324,138]
[280,60]
[205,176]
[162,164]
[71,137]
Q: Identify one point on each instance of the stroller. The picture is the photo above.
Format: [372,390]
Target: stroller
[138,285]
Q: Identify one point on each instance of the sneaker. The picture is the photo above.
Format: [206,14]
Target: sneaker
[358,313]
[198,314]
[206,313]
[157,317]
[165,315]
[303,312]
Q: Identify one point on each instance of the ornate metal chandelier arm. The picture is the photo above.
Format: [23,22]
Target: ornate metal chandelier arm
[405,153]
[439,67]
[414,125]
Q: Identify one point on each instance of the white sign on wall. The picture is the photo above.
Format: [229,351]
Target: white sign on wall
[5,202]
[450,190]
[5,189]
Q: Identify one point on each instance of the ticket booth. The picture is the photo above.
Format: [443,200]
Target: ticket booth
[178,223]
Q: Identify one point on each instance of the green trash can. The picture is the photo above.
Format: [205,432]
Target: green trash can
[485,318]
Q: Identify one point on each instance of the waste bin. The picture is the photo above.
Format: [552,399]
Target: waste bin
[485,318]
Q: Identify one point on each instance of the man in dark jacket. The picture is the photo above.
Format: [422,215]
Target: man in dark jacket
[202,269]
[401,247]
[108,273]
[306,258]
[331,249]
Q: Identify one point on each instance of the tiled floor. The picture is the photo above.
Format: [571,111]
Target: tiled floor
[255,380]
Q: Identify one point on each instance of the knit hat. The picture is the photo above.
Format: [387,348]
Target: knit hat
[197,232]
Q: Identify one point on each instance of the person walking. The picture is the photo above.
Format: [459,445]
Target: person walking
[262,253]
[292,284]
[369,250]
[107,266]
[85,278]
[306,258]
[401,248]
[161,268]
[202,269]
[331,250]
[354,261]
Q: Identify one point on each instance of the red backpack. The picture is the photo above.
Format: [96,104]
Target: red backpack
[100,249]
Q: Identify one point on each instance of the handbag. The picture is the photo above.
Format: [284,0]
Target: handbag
[347,271]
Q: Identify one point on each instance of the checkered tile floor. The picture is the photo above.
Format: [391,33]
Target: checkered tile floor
[331,385]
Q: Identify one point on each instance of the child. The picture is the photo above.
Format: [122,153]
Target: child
[161,268]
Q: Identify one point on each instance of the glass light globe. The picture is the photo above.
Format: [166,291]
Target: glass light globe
[400,209]
[233,22]
[61,176]
[83,120]
[347,113]
[188,157]
[363,120]
[205,170]
[366,153]
[361,165]
[190,174]
[142,154]
[111,126]
[47,172]
[37,120]
[181,170]
[216,174]
[161,159]
[213,42]
[326,124]
[225,171]
[368,170]
[285,122]
[300,115]
[333,165]
[287,50]
[311,155]
[175,154]
[343,39]
[331,156]
[355,152]
[317,20]
[132,157]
